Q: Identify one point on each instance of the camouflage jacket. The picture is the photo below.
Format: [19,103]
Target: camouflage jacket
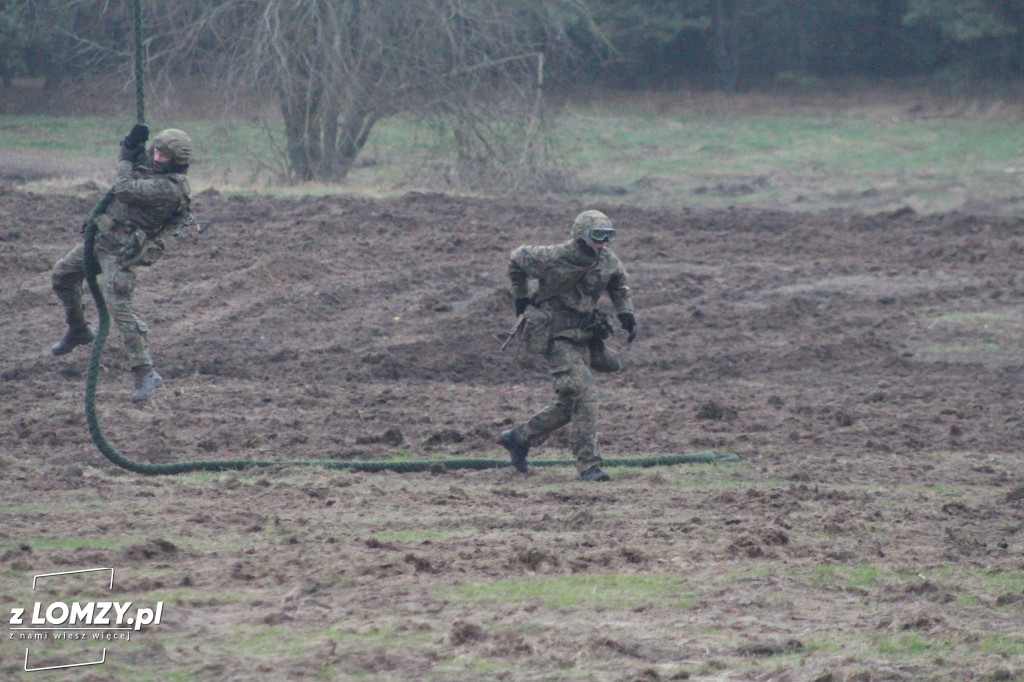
[146,205]
[569,280]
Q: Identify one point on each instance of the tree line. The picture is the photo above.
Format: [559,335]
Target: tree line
[735,45]
[477,70]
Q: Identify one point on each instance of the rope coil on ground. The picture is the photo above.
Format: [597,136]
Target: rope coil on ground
[401,466]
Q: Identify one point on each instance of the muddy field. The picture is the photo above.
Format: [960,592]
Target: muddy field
[865,368]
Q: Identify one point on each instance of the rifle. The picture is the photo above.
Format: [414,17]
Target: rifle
[512,334]
[200,225]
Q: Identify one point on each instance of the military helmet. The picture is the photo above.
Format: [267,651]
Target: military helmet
[593,225]
[175,144]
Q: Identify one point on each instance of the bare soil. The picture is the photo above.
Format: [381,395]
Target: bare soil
[865,368]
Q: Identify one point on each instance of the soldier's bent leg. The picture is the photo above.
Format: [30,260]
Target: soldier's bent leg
[66,279]
[520,439]
[67,276]
[561,356]
[552,417]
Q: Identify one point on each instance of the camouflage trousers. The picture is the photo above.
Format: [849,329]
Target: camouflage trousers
[575,403]
[118,284]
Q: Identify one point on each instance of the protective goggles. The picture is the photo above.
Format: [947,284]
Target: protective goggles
[601,234]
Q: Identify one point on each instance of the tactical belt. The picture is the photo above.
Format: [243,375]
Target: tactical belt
[562,321]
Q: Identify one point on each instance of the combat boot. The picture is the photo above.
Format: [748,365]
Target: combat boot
[595,473]
[74,336]
[516,449]
[78,333]
[147,380]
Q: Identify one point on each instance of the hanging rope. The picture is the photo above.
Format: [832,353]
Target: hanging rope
[140,99]
[92,271]
[92,266]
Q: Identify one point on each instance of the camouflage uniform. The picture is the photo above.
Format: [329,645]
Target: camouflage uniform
[149,200]
[571,279]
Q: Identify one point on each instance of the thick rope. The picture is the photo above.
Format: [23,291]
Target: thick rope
[140,99]
[92,270]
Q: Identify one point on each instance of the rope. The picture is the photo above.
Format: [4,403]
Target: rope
[140,99]
[401,466]
[92,270]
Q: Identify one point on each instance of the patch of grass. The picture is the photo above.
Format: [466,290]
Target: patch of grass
[911,645]
[712,476]
[65,543]
[963,348]
[1005,645]
[295,641]
[565,592]
[69,506]
[974,585]
[974,319]
[88,137]
[836,576]
[468,663]
[622,148]
[119,670]
[184,596]
[669,158]
[415,535]
[265,638]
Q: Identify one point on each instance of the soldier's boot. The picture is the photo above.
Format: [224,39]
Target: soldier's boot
[147,380]
[517,449]
[595,473]
[78,333]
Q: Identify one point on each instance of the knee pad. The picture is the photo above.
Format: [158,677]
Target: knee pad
[566,385]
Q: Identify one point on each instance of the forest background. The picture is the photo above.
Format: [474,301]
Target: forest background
[482,85]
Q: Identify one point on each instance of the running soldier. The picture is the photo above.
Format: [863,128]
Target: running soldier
[151,198]
[561,322]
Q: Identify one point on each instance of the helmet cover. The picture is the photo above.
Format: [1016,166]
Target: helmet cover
[175,144]
[589,220]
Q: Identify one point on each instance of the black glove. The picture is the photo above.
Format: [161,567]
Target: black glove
[521,304]
[132,155]
[134,143]
[628,323]
[137,137]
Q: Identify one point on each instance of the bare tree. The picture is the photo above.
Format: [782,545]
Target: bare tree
[338,67]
